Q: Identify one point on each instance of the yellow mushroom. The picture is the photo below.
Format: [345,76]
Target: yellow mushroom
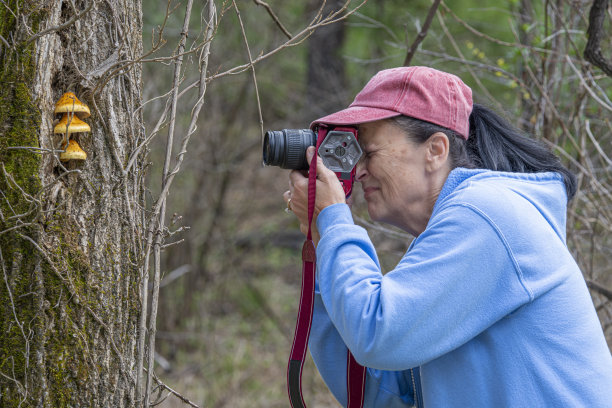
[73,152]
[70,103]
[76,125]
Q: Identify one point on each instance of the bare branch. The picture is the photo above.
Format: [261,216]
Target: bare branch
[587,126]
[158,213]
[246,43]
[586,86]
[595,32]
[423,33]
[274,17]
[458,51]
[23,225]
[175,274]
[388,231]
[480,34]
[19,323]
[39,150]
[8,8]
[599,288]
[162,214]
[173,392]
[5,42]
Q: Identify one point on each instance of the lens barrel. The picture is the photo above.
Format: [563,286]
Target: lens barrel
[287,148]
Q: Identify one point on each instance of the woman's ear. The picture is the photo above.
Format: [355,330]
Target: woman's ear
[437,151]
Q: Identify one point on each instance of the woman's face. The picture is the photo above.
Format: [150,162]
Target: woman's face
[399,181]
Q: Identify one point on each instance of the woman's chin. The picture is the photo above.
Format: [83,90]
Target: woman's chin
[373,213]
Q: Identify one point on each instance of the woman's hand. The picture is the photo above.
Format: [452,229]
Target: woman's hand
[329,191]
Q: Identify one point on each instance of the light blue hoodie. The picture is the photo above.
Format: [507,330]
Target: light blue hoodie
[487,308]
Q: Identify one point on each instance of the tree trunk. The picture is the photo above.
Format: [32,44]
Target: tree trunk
[70,232]
[525,19]
[326,89]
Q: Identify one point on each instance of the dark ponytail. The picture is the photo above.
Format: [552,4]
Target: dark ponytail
[493,144]
[497,145]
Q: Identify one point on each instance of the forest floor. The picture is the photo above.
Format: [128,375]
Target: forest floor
[238,358]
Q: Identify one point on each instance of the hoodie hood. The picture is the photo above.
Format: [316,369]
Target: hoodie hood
[545,192]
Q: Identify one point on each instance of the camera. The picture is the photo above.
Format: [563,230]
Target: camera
[338,147]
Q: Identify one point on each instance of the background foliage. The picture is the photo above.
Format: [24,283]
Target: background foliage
[231,283]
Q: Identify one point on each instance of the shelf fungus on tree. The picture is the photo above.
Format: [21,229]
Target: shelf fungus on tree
[76,125]
[70,103]
[73,152]
[73,111]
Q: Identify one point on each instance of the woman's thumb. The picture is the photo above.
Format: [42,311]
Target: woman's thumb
[322,171]
[309,153]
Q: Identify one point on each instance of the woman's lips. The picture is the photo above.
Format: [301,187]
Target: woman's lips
[368,191]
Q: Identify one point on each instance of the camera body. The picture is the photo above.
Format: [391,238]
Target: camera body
[338,147]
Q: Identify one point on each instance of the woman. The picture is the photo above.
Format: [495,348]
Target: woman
[487,308]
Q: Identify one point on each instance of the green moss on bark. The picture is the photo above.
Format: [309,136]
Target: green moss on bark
[19,126]
[19,120]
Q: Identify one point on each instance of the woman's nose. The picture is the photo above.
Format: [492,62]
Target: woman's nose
[361,171]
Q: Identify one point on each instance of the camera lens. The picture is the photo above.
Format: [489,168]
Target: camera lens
[287,148]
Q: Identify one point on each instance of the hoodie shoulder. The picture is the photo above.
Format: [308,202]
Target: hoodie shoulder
[515,200]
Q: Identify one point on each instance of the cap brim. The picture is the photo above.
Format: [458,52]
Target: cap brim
[355,115]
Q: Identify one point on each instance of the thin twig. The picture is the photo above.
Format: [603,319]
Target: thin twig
[19,323]
[374,23]
[599,288]
[5,42]
[423,33]
[274,17]
[587,127]
[29,224]
[39,150]
[164,246]
[175,274]
[61,27]
[458,51]
[9,9]
[246,44]
[396,234]
[492,39]
[586,86]
[173,392]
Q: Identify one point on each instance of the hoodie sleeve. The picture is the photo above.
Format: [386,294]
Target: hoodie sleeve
[388,389]
[458,278]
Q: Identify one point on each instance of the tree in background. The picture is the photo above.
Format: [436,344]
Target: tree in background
[326,85]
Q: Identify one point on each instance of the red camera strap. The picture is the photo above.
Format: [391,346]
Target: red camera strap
[355,373]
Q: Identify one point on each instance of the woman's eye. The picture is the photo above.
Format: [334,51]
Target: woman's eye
[366,154]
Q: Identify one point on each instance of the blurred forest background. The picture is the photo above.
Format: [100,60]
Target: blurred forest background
[231,268]
[164,271]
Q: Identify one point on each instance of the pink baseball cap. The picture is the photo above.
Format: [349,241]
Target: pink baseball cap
[419,92]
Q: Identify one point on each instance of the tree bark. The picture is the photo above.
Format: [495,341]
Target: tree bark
[70,232]
[596,34]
